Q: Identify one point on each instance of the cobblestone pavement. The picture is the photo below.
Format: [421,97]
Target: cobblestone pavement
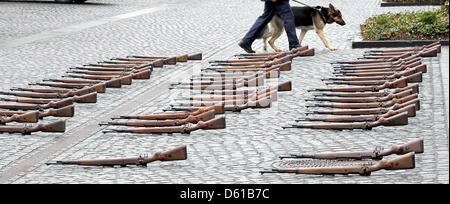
[41,40]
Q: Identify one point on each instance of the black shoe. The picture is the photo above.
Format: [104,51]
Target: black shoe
[246,47]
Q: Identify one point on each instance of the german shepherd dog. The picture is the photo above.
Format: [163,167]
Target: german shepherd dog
[306,18]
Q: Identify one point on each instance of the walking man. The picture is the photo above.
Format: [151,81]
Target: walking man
[272,7]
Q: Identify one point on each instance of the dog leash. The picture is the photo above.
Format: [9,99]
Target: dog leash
[306,5]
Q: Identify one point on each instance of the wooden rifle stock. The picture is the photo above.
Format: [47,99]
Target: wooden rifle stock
[113,83]
[218,109]
[374,111]
[295,50]
[206,116]
[416,146]
[275,61]
[27,117]
[396,120]
[88,98]
[365,100]
[411,78]
[367,105]
[126,80]
[99,88]
[374,61]
[59,126]
[263,58]
[58,104]
[434,44]
[381,72]
[394,75]
[413,87]
[411,109]
[399,83]
[409,63]
[178,153]
[216,123]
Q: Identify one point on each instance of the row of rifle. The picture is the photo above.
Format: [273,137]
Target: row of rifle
[382,94]
[359,162]
[226,86]
[380,90]
[55,97]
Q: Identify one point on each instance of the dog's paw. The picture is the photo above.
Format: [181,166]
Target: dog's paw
[332,48]
[278,50]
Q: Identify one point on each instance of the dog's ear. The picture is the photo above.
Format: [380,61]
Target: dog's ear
[331,7]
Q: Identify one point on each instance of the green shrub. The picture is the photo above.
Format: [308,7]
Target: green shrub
[408,25]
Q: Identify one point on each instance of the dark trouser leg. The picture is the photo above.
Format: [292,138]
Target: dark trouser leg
[261,22]
[284,10]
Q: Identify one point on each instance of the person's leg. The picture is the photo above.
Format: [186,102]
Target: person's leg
[261,22]
[284,10]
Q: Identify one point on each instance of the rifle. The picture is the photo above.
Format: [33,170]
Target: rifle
[413,87]
[265,102]
[282,67]
[364,100]
[51,93]
[398,64]
[416,146]
[268,74]
[399,83]
[398,52]
[251,95]
[237,101]
[363,168]
[434,44]
[216,123]
[395,61]
[429,52]
[374,111]
[107,69]
[59,126]
[67,111]
[126,80]
[213,84]
[217,108]
[413,78]
[394,75]
[113,83]
[52,104]
[366,118]
[154,63]
[366,105]
[100,88]
[194,119]
[265,63]
[377,61]
[181,58]
[246,78]
[259,59]
[166,60]
[88,98]
[179,153]
[380,72]
[396,120]
[243,76]
[285,86]
[265,54]
[144,73]
[28,117]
